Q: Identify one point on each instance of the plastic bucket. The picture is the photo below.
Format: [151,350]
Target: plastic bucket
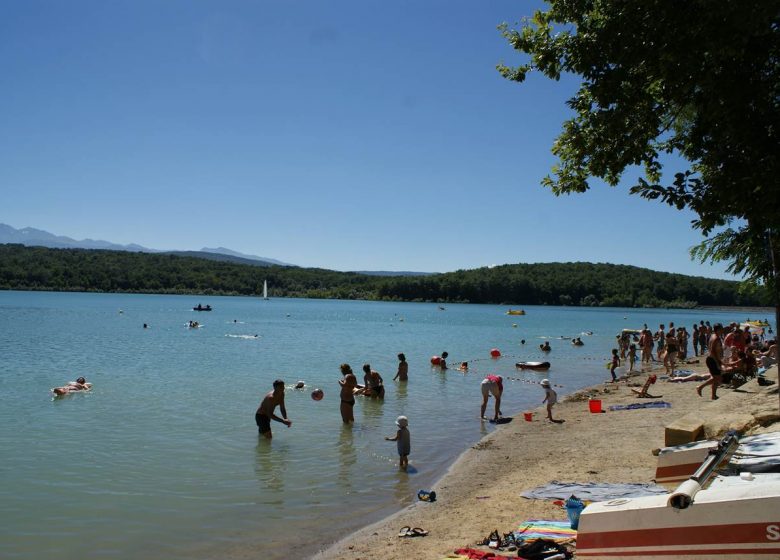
[594,405]
[528,416]
[574,508]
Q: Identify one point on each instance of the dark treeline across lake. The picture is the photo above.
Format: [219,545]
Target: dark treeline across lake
[570,284]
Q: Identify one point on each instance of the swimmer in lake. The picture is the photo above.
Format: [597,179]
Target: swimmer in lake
[403,369]
[72,387]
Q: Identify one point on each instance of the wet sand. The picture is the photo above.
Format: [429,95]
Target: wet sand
[481,491]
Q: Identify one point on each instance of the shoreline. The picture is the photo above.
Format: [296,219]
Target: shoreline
[480,491]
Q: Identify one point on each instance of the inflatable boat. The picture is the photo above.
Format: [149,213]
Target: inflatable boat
[541,366]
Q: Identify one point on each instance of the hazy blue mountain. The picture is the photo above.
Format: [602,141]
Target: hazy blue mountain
[230,252]
[37,237]
[392,273]
[32,237]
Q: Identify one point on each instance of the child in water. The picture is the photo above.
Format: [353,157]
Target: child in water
[403,439]
[615,364]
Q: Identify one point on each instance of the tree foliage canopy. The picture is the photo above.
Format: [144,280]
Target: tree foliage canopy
[699,79]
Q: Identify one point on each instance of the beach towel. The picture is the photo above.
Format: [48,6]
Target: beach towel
[558,531]
[474,554]
[592,491]
[633,406]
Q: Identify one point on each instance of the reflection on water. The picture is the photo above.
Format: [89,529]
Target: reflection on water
[347,458]
[271,465]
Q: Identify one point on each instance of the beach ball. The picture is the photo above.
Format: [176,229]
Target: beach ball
[495,353]
[317,394]
[435,360]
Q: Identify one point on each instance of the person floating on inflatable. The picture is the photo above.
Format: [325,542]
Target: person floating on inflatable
[72,387]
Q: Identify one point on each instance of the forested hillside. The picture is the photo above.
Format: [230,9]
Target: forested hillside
[38,268]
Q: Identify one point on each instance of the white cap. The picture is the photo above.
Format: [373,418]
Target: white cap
[545,382]
[402,421]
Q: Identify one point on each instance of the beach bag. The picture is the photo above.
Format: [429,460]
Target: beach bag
[574,507]
[541,549]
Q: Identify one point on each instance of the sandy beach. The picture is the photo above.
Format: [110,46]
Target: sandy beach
[481,491]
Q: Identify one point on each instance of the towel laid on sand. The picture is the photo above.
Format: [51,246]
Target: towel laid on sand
[474,554]
[633,406]
[558,531]
[592,491]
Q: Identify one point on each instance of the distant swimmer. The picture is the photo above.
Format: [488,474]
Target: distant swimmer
[443,361]
[146,326]
[578,342]
[545,347]
[300,384]
[72,387]
[464,366]
[265,412]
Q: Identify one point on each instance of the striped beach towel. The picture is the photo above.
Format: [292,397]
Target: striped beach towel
[558,531]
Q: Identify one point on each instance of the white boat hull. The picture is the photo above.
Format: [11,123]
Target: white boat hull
[733,518]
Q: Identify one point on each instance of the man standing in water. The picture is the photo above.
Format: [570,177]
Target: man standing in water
[265,412]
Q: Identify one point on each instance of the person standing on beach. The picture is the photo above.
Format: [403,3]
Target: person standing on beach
[695,340]
[631,357]
[615,364]
[660,336]
[265,412]
[714,361]
[492,384]
[550,397]
[403,369]
[348,384]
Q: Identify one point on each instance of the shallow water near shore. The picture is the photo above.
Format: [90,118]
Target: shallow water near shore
[162,458]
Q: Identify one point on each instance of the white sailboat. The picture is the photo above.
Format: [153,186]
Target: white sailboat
[265,289]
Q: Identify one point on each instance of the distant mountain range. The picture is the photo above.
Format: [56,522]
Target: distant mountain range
[32,237]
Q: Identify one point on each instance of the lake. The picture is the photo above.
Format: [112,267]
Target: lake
[162,458]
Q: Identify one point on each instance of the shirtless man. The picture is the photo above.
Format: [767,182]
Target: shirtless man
[348,385]
[714,361]
[265,412]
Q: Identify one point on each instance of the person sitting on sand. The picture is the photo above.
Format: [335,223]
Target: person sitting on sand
[492,384]
[348,385]
[72,387]
[265,412]
[403,369]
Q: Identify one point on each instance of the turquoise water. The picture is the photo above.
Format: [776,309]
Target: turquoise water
[162,459]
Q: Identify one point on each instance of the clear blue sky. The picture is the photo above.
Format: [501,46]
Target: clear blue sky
[351,135]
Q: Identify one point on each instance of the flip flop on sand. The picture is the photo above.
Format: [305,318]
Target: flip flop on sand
[405,531]
[418,532]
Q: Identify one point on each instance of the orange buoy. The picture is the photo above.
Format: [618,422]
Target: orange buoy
[495,353]
[435,360]
[317,394]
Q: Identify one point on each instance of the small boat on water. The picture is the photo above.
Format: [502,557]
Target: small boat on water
[200,307]
[539,366]
[516,312]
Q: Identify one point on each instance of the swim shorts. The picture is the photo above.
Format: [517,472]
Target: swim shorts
[263,423]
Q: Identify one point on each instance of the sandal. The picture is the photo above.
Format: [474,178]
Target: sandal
[405,531]
[418,532]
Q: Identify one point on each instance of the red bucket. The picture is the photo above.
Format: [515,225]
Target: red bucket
[528,416]
[594,405]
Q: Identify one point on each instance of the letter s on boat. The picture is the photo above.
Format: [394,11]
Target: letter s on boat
[773,532]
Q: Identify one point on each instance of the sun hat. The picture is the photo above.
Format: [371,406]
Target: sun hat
[402,421]
[545,383]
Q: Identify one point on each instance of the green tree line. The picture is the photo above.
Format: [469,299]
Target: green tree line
[577,284]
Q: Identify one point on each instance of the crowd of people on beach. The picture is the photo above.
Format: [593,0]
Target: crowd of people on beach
[733,353]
